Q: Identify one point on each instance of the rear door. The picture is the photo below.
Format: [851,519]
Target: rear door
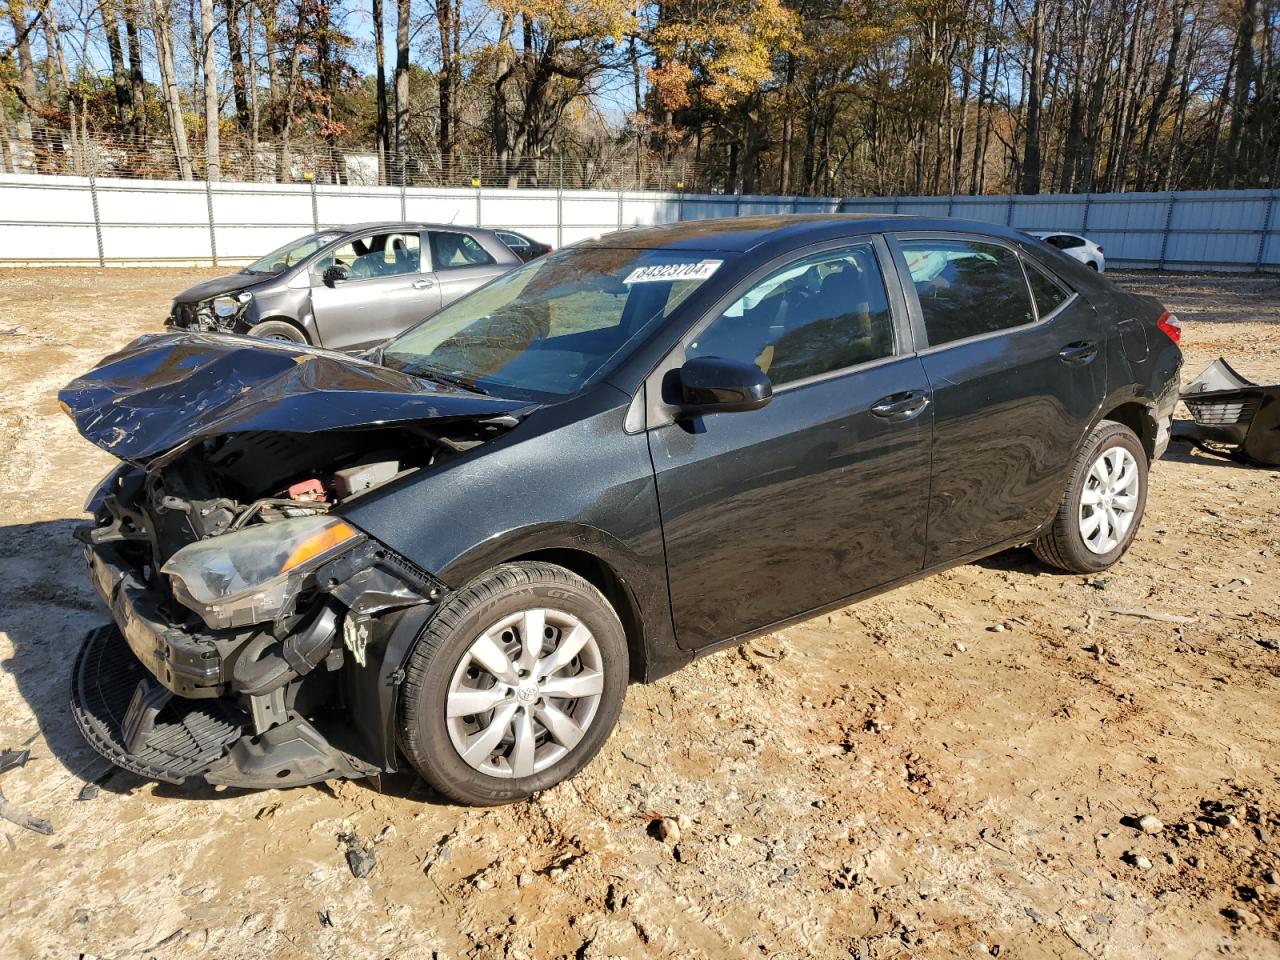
[1013,360]
[385,290]
[819,495]
[460,263]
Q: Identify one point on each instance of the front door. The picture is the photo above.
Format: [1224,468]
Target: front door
[384,290]
[1014,364]
[820,494]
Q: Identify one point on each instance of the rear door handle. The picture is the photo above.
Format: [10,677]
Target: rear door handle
[901,406]
[1082,351]
[423,284]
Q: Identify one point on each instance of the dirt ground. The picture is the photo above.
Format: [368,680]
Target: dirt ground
[952,769]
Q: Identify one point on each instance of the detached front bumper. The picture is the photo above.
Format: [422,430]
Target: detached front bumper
[240,708]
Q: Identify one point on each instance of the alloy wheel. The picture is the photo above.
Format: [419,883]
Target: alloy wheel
[524,693]
[1109,500]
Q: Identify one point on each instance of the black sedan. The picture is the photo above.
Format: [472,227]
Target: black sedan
[460,549]
[524,247]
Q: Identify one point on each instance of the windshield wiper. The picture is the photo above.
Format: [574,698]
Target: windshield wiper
[448,379]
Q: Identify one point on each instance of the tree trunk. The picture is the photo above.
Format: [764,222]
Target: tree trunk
[26,88]
[380,134]
[162,27]
[251,31]
[1236,150]
[1031,147]
[119,72]
[137,83]
[212,159]
[239,81]
[499,129]
[1146,175]
[784,161]
[403,14]
[446,18]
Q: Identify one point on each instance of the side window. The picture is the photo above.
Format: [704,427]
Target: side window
[823,313]
[512,241]
[1047,293]
[450,251]
[380,255]
[967,288]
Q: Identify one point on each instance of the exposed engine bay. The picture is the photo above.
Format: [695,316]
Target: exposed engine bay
[271,667]
[225,483]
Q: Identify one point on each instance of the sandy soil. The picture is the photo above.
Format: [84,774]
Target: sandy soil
[953,769]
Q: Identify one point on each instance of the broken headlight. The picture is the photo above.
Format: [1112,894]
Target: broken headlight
[254,574]
[227,306]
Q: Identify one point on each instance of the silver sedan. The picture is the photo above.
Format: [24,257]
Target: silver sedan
[347,288]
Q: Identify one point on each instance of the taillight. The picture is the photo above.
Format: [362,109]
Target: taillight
[1101,250]
[1168,322]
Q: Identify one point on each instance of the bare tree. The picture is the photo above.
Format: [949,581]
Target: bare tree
[162,28]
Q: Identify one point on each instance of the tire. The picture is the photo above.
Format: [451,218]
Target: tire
[444,667]
[1092,265]
[278,330]
[1065,544]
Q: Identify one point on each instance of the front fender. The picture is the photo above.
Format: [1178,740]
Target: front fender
[567,478]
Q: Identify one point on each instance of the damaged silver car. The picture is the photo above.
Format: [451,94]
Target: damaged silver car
[346,288]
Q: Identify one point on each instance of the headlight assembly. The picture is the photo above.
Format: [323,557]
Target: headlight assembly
[228,306]
[255,574]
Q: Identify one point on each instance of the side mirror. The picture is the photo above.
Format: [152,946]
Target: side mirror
[717,385]
[333,274]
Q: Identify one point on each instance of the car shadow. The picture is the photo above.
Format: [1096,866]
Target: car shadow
[47,605]
[1184,451]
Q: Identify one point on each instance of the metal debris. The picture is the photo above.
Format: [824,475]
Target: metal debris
[19,816]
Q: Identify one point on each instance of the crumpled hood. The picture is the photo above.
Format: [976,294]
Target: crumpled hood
[220,285]
[165,389]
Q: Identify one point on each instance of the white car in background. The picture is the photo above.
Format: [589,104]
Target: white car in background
[1078,247]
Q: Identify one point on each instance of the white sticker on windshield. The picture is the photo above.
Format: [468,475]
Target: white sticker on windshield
[668,272]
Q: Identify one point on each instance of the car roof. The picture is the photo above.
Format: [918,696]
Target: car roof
[743,234]
[402,224]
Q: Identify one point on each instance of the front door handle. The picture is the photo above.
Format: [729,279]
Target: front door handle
[423,284]
[1082,351]
[901,406]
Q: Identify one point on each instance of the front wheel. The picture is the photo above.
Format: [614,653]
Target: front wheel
[1100,512]
[514,685]
[278,330]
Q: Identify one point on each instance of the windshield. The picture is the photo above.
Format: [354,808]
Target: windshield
[549,328]
[293,252]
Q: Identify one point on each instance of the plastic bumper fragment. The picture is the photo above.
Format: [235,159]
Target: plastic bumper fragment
[133,722]
[1233,412]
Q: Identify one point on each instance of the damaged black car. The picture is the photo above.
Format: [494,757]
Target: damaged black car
[458,549]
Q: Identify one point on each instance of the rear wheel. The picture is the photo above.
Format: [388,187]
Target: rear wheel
[1100,512]
[515,684]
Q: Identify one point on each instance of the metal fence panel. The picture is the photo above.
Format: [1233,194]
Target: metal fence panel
[57,219]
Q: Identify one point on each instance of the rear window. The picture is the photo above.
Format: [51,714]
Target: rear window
[453,251]
[967,288]
[1048,294]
